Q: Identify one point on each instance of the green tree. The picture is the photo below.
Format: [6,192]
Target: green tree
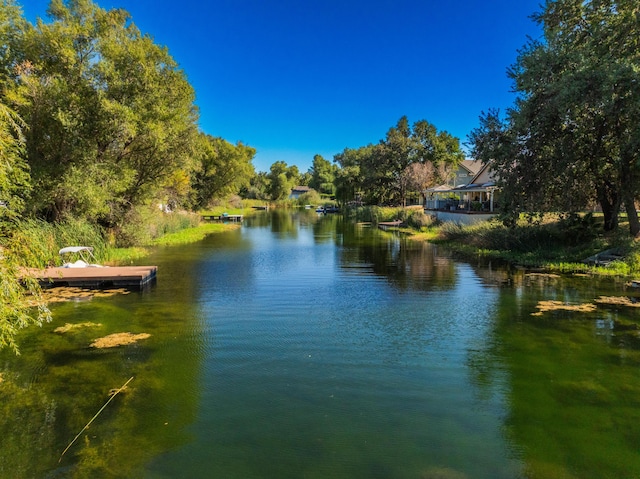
[281,179]
[21,302]
[323,174]
[258,187]
[573,134]
[380,175]
[348,179]
[223,169]
[111,115]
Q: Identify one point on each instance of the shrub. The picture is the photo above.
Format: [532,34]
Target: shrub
[310,198]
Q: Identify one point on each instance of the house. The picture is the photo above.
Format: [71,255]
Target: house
[467,169]
[466,203]
[298,191]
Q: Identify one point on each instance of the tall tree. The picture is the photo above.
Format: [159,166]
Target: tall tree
[281,179]
[323,174]
[223,169]
[573,131]
[19,296]
[381,167]
[111,115]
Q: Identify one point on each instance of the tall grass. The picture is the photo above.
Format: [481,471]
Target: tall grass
[192,235]
[560,245]
[143,225]
[413,216]
[37,242]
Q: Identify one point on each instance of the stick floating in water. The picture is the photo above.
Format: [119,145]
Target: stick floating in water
[93,418]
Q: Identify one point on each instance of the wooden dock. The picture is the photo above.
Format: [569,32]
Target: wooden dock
[223,218]
[385,225]
[136,277]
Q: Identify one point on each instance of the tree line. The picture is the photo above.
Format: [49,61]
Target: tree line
[410,158]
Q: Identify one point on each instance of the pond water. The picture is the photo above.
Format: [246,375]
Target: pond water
[302,346]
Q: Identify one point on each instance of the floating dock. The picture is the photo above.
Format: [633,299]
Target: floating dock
[223,218]
[385,225]
[136,277]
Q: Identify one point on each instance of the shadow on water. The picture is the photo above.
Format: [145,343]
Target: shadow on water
[306,346]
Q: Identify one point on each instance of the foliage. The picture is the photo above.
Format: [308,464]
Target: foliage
[146,223]
[417,219]
[571,137]
[19,296]
[111,116]
[223,169]
[37,242]
[14,173]
[323,175]
[310,198]
[383,173]
[281,179]
[532,244]
[192,235]
[21,302]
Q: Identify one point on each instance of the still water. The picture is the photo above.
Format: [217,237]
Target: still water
[308,347]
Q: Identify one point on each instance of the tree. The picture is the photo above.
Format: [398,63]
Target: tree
[322,175]
[381,167]
[417,177]
[19,295]
[348,179]
[223,169]
[281,179]
[111,116]
[573,133]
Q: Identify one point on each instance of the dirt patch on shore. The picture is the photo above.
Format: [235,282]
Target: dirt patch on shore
[118,339]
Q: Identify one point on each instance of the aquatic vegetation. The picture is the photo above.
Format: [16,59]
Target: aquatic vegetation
[553,305]
[71,327]
[443,473]
[193,235]
[118,339]
[618,301]
[63,293]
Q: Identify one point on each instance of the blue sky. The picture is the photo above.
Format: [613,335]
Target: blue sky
[295,78]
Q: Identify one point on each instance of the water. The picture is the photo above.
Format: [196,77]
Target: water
[306,347]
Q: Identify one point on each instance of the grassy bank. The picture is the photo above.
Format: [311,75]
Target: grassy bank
[558,245]
[36,243]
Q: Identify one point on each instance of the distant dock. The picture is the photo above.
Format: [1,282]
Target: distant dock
[135,277]
[385,225]
[223,218]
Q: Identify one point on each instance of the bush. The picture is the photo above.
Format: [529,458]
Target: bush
[310,198]
[416,218]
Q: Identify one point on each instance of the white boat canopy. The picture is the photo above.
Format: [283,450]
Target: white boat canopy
[75,249]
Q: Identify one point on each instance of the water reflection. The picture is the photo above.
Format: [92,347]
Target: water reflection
[306,346]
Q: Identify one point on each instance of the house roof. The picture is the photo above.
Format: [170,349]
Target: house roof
[300,189]
[481,181]
[438,188]
[472,166]
[484,175]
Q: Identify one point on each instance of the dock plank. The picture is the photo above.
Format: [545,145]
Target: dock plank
[110,276]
